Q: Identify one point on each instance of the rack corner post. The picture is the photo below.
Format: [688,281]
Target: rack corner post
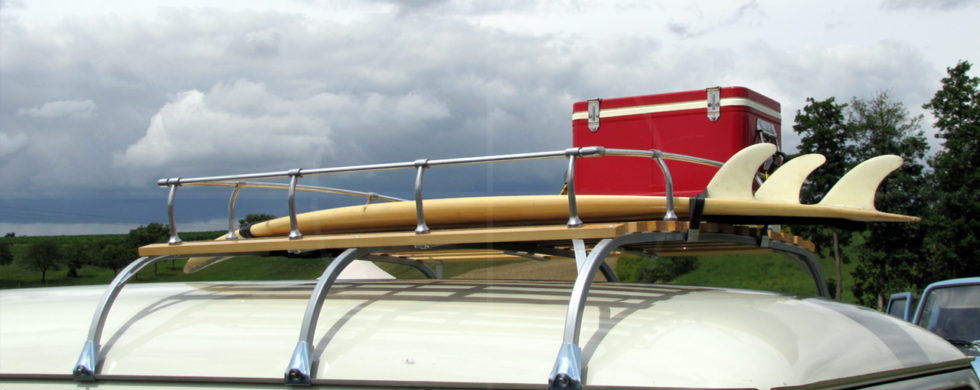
[87,365]
[298,372]
[567,374]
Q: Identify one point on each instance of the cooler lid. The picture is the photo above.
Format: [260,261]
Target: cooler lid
[678,101]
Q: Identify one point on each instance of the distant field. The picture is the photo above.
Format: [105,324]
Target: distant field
[759,272]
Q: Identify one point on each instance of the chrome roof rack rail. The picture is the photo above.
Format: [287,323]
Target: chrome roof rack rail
[420,165]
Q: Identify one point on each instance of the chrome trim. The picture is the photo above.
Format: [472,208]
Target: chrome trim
[174,239]
[299,370]
[573,219]
[371,196]
[594,114]
[421,165]
[679,106]
[231,213]
[294,233]
[566,373]
[714,103]
[668,186]
[88,360]
[581,256]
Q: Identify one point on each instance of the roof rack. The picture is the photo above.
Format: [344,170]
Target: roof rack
[589,244]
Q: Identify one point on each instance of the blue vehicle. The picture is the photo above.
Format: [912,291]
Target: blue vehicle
[950,309]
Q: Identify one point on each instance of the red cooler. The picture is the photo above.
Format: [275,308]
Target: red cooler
[713,124]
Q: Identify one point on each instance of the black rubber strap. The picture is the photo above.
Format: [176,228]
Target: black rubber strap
[246,231]
[697,208]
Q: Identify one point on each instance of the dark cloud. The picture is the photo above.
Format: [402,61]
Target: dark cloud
[940,5]
[108,103]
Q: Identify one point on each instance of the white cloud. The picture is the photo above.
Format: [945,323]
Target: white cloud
[77,109]
[245,127]
[942,5]
[10,145]
[238,124]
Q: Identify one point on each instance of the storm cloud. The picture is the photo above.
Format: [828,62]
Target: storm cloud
[107,101]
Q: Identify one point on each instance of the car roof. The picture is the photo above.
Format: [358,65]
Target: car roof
[463,332]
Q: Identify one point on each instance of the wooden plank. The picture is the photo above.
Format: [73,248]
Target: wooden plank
[437,237]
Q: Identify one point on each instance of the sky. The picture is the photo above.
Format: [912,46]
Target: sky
[100,99]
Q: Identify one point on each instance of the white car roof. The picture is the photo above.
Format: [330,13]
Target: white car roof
[463,332]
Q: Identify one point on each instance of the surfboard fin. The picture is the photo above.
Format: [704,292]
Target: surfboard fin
[734,179]
[858,187]
[785,184]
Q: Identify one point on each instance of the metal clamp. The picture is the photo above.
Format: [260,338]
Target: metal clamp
[668,185]
[714,103]
[87,363]
[573,219]
[231,212]
[173,184]
[294,233]
[420,165]
[594,114]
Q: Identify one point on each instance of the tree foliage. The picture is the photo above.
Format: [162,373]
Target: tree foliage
[823,129]
[152,233]
[255,218]
[75,255]
[117,256]
[660,270]
[954,225]
[42,256]
[6,256]
[888,258]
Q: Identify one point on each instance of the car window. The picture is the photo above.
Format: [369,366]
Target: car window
[952,312]
[897,308]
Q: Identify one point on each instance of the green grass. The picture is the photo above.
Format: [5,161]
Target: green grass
[759,272]
[768,272]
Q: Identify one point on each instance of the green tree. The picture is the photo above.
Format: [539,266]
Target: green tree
[255,218]
[6,256]
[892,251]
[954,226]
[42,256]
[76,254]
[152,233]
[823,129]
[116,257]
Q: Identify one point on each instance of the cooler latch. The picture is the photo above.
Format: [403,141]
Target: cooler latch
[767,134]
[594,114]
[714,103]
